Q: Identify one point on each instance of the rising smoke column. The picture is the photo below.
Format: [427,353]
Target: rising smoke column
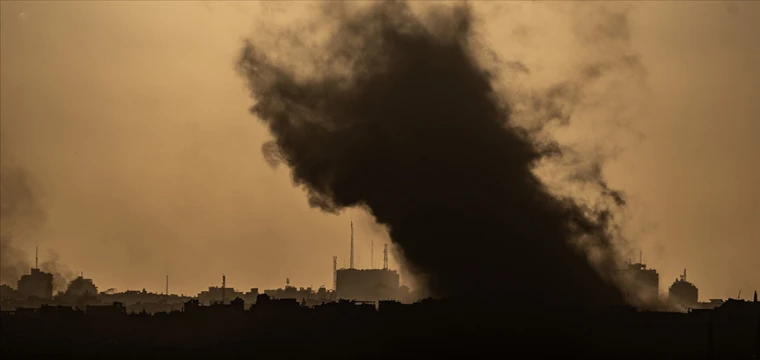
[20,215]
[401,120]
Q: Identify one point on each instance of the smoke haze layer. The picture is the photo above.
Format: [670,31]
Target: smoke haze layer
[399,118]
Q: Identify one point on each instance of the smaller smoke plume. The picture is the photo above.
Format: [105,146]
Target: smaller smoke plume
[12,262]
[62,275]
[20,215]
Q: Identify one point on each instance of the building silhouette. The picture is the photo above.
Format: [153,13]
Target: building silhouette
[367,284]
[7,292]
[683,293]
[104,311]
[38,284]
[645,282]
[81,286]
[218,294]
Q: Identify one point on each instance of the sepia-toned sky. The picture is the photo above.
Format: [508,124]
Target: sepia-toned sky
[135,126]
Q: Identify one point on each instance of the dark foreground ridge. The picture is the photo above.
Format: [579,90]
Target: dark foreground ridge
[451,327]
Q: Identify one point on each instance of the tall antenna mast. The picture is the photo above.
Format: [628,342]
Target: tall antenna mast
[224,286]
[351,262]
[335,272]
[385,257]
[36,257]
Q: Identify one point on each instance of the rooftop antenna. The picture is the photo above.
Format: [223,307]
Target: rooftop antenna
[683,277]
[287,282]
[224,286]
[755,300]
[36,257]
[739,297]
[385,257]
[335,272]
[351,262]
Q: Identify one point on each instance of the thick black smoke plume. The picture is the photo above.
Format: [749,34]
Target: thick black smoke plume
[403,121]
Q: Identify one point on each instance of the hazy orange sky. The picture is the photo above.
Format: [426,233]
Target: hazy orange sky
[133,122]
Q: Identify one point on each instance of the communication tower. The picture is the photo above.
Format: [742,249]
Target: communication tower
[351,261]
[385,257]
[335,272]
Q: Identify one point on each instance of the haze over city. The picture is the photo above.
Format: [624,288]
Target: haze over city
[133,127]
